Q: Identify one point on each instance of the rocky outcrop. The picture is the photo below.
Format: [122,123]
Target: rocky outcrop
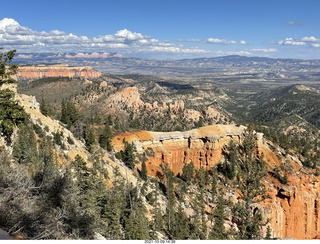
[68,153]
[130,97]
[293,210]
[37,72]
[201,146]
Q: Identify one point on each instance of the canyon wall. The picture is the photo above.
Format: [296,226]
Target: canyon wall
[37,72]
[201,146]
[293,209]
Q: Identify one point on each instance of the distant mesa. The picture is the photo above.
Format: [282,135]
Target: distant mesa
[56,70]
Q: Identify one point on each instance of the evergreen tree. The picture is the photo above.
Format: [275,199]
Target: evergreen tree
[43,107]
[136,223]
[114,207]
[69,113]
[188,172]
[157,222]
[25,147]
[7,70]
[91,139]
[46,167]
[144,172]
[218,229]
[128,156]
[181,231]
[11,114]
[251,171]
[170,211]
[198,225]
[105,138]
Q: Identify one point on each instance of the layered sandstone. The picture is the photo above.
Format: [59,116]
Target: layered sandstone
[201,146]
[293,210]
[37,72]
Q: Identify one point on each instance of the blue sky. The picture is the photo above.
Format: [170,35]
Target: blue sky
[164,29]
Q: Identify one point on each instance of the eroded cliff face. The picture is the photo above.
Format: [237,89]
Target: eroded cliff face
[201,146]
[293,209]
[37,72]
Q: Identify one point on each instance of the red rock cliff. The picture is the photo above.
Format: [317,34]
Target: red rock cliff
[36,72]
[293,209]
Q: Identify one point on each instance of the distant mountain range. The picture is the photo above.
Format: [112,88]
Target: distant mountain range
[249,67]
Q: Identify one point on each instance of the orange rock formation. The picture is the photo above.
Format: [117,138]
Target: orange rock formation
[37,72]
[201,146]
[293,209]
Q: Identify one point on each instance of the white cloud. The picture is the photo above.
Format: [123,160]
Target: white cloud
[291,41]
[239,52]
[264,50]
[310,41]
[220,41]
[13,35]
[213,41]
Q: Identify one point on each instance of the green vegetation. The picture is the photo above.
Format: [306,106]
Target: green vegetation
[106,138]
[11,114]
[7,69]
[69,113]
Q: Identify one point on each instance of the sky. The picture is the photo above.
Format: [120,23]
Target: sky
[164,29]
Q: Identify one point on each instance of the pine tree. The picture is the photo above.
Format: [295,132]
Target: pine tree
[91,139]
[11,114]
[136,224]
[171,221]
[251,171]
[188,172]
[157,221]
[144,172]
[43,107]
[181,231]
[105,138]
[25,147]
[128,156]
[69,113]
[218,229]
[114,207]
[7,70]
[198,227]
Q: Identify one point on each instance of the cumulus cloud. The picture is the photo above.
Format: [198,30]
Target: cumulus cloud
[310,41]
[219,41]
[13,35]
[214,41]
[239,52]
[291,41]
[264,50]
